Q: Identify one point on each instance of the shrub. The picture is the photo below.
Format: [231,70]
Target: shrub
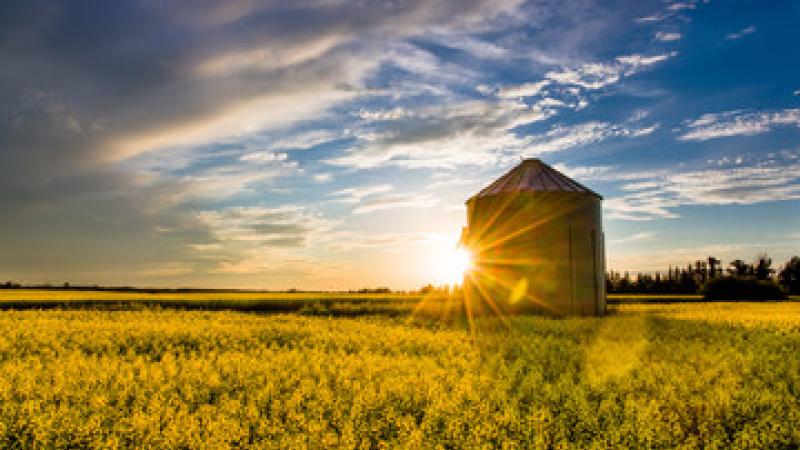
[733,288]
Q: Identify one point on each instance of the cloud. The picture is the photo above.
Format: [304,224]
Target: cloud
[670,11]
[593,76]
[138,114]
[191,80]
[636,237]
[284,226]
[264,157]
[385,114]
[561,138]
[741,33]
[666,36]
[224,180]
[441,136]
[478,132]
[395,201]
[353,195]
[377,197]
[680,6]
[523,90]
[462,41]
[323,177]
[657,194]
[585,172]
[738,123]
[145,138]
[305,140]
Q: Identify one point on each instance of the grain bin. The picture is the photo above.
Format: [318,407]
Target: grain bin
[537,244]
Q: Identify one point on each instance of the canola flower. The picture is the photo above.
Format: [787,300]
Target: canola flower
[661,378]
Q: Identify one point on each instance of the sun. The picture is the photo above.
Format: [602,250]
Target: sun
[455,264]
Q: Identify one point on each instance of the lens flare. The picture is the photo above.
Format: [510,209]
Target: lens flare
[456,264]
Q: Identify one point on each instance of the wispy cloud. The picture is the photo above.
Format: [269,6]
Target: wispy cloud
[741,33]
[595,76]
[264,157]
[636,237]
[523,90]
[585,172]
[304,140]
[463,133]
[480,132]
[562,138]
[322,177]
[668,36]
[284,226]
[669,11]
[353,195]
[658,194]
[738,123]
[395,201]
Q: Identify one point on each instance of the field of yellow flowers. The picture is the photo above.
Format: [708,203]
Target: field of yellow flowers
[646,376]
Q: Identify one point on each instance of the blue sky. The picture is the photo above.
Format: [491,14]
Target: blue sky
[329,144]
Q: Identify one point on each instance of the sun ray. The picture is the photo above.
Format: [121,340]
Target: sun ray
[522,230]
[488,300]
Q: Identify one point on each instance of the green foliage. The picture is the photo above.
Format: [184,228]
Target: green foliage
[734,288]
[648,376]
[789,276]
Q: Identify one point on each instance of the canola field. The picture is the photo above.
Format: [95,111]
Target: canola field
[718,375]
[338,303]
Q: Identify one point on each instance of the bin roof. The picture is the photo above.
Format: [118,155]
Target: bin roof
[532,175]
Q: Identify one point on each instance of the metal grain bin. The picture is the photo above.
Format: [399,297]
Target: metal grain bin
[536,237]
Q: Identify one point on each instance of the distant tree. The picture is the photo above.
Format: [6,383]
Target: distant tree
[789,276]
[713,267]
[700,271]
[763,268]
[687,283]
[739,269]
[742,288]
[625,284]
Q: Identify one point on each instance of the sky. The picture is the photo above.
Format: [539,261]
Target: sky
[331,144]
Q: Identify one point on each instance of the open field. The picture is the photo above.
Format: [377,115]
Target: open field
[321,303]
[661,375]
[339,303]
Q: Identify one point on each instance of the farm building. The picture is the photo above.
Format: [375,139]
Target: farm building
[537,244]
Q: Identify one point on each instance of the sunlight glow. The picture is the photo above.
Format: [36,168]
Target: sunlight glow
[456,264]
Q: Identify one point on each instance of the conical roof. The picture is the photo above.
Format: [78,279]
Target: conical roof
[532,175]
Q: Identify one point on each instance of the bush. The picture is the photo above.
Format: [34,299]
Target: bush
[731,288]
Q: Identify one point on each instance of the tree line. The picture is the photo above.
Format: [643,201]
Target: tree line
[691,278]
